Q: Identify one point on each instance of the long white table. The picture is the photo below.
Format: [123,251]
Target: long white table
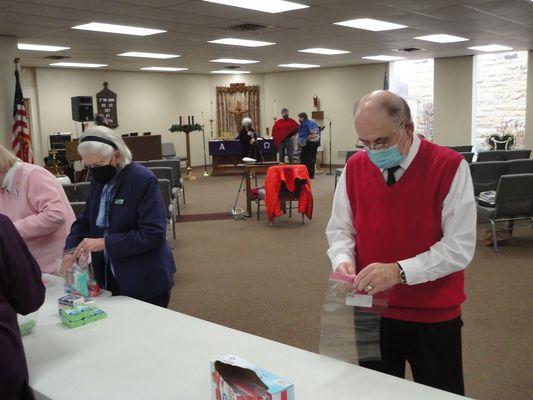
[145,352]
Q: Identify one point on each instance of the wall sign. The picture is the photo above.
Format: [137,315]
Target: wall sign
[106,104]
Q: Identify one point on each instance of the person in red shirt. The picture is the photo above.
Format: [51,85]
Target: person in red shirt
[404,222]
[283,133]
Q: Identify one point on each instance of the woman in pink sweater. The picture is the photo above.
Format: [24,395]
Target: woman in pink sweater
[38,207]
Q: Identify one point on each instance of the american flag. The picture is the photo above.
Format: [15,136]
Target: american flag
[21,143]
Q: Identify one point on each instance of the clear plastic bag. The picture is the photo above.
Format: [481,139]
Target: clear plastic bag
[350,322]
[27,323]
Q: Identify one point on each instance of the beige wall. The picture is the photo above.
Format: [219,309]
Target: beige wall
[453,100]
[338,90]
[529,102]
[145,102]
[153,101]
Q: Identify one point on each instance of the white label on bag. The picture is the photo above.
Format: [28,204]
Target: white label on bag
[358,300]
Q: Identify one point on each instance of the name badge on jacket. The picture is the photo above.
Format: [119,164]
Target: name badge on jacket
[118,202]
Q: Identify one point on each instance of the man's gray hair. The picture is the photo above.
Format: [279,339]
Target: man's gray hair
[246,121]
[105,149]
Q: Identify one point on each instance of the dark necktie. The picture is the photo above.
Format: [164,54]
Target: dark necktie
[391,179]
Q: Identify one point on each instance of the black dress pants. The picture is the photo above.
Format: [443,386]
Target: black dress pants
[308,157]
[433,351]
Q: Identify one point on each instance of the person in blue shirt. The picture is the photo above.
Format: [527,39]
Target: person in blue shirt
[308,140]
[123,224]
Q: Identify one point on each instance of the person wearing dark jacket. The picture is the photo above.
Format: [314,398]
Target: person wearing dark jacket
[123,224]
[249,138]
[21,291]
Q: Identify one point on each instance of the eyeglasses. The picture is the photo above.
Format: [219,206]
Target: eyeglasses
[378,146]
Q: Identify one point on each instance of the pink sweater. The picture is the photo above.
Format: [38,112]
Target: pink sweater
[38,206]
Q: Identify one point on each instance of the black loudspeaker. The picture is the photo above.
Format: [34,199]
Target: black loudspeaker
[82,108]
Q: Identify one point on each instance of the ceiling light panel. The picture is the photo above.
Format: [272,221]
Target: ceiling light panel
[225,71]
[321,50]
[491,47]
[442,38]
[233,61]
[164,69]
[241,42]
[77,65]
[370,24]
[298,65]
[40,47]
[383,58]
[119,29]
[142,54]
[269,6]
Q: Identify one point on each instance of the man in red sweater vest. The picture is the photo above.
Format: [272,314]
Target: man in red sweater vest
[404,221]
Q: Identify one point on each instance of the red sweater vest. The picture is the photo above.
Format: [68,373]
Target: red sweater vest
[398,222]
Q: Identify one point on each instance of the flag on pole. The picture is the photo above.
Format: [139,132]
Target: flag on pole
[21,143]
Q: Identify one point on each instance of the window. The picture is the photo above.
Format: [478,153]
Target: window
[413,80]
[500,97]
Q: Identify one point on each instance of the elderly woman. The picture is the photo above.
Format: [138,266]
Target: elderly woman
[123,224]
[37,204]
[248,138]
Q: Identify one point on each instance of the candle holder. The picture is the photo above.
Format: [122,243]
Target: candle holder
[187,129]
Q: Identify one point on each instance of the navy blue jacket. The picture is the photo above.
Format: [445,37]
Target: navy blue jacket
[136,238]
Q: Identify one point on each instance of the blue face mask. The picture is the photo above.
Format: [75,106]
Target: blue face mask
[386,158]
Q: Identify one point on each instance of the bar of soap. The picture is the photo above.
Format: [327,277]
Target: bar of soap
[359,300]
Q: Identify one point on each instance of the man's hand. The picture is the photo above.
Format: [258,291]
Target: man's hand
[346,268]
[377,277]
[89,245]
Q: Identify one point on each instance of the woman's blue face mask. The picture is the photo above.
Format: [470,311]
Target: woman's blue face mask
[389,157]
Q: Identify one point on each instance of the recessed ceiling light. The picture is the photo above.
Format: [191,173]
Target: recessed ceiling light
[270,6]
[320,50]
[78,65]
[40,47]
[298,65]
[491,47]
[122,29]
[241,42]
[225,71]
[370,24]
[442,38]
[383,58]
[165,69]
[148,55]
[234,61]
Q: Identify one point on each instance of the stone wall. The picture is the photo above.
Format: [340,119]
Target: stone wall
[501,97]
[413,80]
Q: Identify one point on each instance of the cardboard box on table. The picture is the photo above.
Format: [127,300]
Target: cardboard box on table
[236,379]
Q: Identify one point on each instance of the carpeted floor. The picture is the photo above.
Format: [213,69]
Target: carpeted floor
[271,281]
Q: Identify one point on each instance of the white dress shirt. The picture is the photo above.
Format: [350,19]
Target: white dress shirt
[452,253]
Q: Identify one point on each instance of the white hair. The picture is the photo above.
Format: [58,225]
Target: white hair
[246,121]
[105,149]
[7,159]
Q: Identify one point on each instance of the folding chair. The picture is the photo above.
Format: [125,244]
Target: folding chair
[167,174]
[485,175]
[164,187]
[491,155]
[514,201]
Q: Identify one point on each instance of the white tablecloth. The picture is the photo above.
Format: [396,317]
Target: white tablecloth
[145,352]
